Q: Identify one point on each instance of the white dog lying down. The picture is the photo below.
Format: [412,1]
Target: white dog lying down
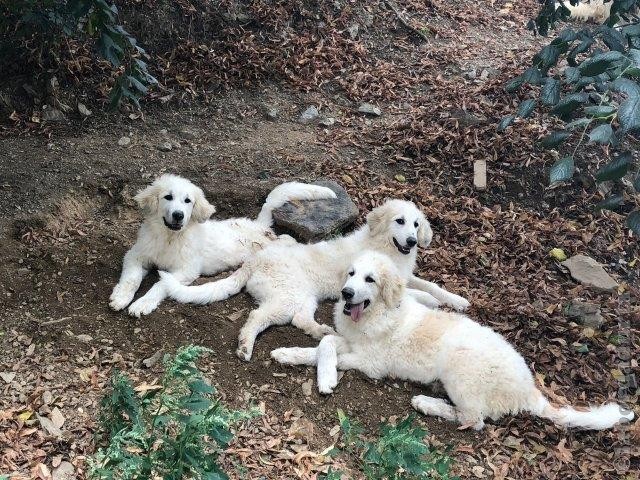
[289,280]
[386,333]
[593,10]
[178,236]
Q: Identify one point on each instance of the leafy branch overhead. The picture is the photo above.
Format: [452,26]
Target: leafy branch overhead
[51,21]
[587,77]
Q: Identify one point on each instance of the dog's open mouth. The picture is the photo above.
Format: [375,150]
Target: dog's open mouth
[401,249]
[172,226]
[354,310]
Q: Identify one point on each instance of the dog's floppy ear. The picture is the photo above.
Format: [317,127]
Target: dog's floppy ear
[425,234]
[202,209]
[392,287]
[376,219]
[149,198]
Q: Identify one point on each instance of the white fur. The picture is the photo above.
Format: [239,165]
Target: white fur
[288,280]
[594,10]
[397,337]
[200,246]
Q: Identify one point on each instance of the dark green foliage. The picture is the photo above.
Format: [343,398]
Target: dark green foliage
[590,79]
[174,431]
[44,24]
[399,453]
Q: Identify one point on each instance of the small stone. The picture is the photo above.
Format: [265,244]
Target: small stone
[400,178]
[50,114]
[311,114]
[271,113]
[590,273]
[84,111]
[83,337]
[8,377]
[165,147]
[64,471]
[49,427]
[588,314]
[353,31]
[480,174]
[317,219]
[188,134]
[124,141]
[327,121]
[56,417]
[153,359]
[47,397]
[307,387]
[369,109]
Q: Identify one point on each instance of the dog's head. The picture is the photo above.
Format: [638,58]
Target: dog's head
[401,223]
[372,278]
[176,200]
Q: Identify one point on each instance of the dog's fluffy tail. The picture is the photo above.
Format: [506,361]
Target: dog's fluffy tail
[593,418]
[287,192]
[207,292]
[595,10]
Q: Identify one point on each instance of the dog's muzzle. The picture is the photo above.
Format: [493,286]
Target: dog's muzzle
[404,250]
[172,226]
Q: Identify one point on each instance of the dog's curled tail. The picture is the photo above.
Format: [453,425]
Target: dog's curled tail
[207,292]
[287,192]
[593,418]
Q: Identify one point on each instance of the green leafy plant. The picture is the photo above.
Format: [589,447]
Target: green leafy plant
[589,79]
[173,431]
[399,453]
[34,28]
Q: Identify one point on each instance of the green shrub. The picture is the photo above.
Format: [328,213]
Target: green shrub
[399,453]
[34,30]
[172,431]
[589,78]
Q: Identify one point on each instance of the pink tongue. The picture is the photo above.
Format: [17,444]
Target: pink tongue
[356,311]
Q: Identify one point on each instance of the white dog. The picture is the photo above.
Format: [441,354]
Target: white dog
[589,10]
[289,280]
[386,333]
[178,236]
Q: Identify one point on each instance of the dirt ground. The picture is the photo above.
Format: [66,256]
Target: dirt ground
[67,218]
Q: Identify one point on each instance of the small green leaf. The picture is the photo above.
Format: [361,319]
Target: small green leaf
[615,169]
[625,85]
[600,63]
[633,221]
[550,93]
[526,107]
[629,114]
[600,111]
[562,170]
[601,134]
[572,74]
[610,203]
[532,76]
[554,139]
[636,183]
[569,103]
[514,84]
[579,123]
[505,122]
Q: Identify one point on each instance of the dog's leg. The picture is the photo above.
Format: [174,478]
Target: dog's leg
[130,279]
[424,298]
[150,300]
[327,358]
[451,299]
[437,407]
[304,319]
[259,320]
[295,355]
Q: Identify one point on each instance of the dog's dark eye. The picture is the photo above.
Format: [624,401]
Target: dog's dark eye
[168,197]
[400,221]
[351,273]
[415,224]
[369,280]
[188,200]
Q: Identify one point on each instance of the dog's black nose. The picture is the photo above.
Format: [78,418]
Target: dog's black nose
[348,293]
[411,242]
[177,216]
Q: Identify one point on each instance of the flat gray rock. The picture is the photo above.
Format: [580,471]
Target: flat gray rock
[312,220]
[588,314]
[590,273]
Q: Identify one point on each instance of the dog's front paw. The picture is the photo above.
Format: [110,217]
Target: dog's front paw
[323,331]
[120,298]
[244,352]
[458,303]
[142,306]
[326,386]
[281,355]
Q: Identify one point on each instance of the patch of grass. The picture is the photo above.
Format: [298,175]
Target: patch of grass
[398,453]
[174,430]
